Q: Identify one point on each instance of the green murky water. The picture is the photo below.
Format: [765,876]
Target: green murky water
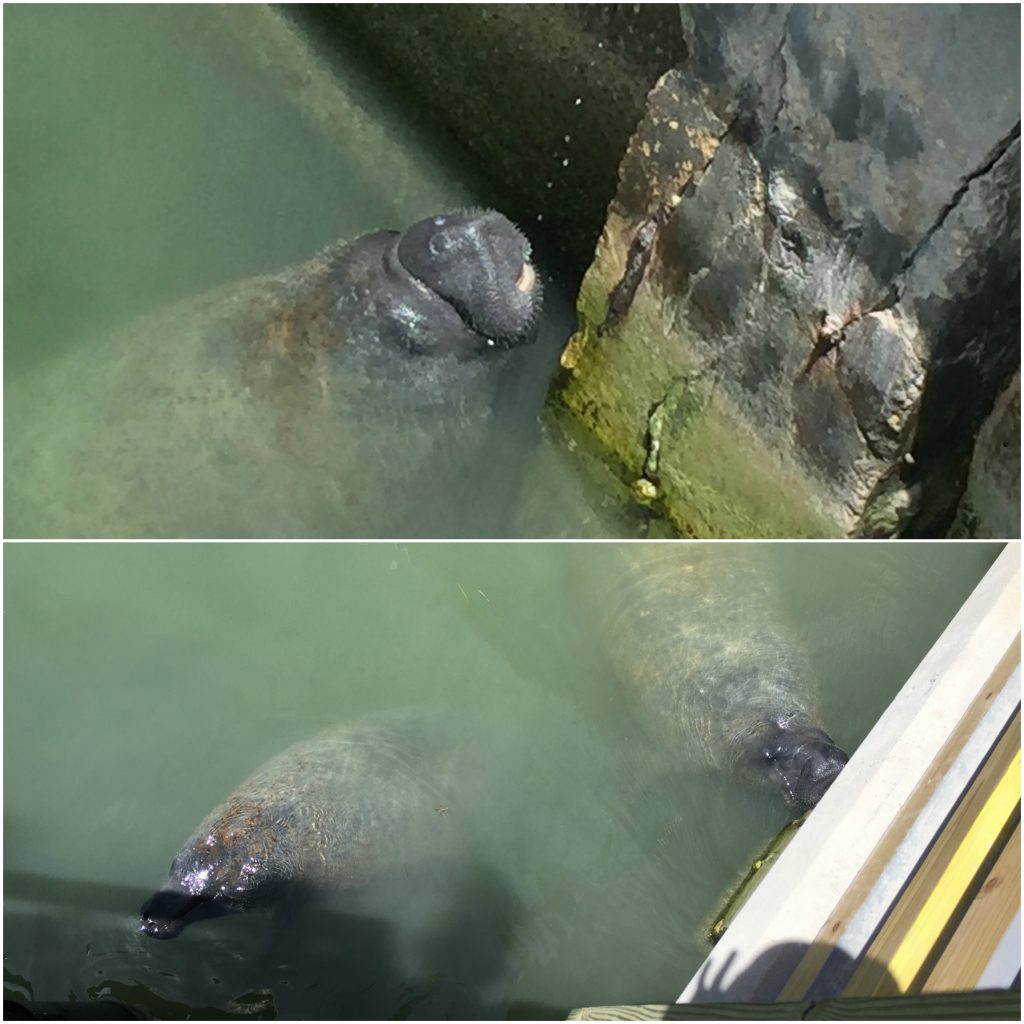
[143,682]
[157,152]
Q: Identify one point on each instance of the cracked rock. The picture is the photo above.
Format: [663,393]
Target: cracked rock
[843,259]
[882,378]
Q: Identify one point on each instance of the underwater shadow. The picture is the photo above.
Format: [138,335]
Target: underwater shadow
[373,956]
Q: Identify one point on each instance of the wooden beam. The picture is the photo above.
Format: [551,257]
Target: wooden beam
[952,1006]
[939,890]
[974,942]
[887,869]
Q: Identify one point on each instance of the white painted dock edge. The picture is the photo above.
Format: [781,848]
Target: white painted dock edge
[792,904]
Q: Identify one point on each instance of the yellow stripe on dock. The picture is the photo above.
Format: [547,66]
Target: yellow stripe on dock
[878,860]
[954,882]
[921,923]
[984,925]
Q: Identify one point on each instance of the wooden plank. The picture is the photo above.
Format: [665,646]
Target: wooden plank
[867,898]
[1003,970]
[694,1011]
[975,940]
[953,1006]
[939,887]
[958,878]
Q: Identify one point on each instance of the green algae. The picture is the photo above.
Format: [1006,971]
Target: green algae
[639,390]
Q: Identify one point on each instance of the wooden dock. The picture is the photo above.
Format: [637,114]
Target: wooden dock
[902,888]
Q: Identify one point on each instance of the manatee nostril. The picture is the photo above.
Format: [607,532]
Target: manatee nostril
[439,244]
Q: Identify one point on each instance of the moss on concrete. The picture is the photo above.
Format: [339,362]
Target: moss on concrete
[640,391]
[717,479]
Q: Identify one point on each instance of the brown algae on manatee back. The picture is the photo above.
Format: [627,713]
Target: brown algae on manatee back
[738,895]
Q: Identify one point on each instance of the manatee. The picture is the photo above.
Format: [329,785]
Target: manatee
[333,813]
[694,633]
[340,397]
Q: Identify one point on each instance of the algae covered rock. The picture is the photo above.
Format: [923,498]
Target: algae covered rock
[806,293]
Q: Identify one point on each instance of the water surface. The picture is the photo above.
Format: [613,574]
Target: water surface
[158,152]
[144,682]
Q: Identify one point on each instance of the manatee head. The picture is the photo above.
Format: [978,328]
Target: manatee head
[479,263]
[232,863]
[802,757]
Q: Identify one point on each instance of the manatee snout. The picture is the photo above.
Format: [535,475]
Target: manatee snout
[167,911]
[223,868]
[327,815]
[819,773]
[479,262]
[806,761]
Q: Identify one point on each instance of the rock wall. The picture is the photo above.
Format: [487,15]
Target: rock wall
[806,294]
[991,502]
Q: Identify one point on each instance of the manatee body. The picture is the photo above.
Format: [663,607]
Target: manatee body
[337,398]
[694,633]
[335,812]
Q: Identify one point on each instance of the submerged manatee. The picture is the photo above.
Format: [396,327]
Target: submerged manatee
[694,632]
[338,398]
[335,812]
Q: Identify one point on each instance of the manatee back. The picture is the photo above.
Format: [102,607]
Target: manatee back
[694,633]
[251,411]
[359,801]
[147,431]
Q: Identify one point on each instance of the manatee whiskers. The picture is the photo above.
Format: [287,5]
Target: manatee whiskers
[479,262]
[806,764]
